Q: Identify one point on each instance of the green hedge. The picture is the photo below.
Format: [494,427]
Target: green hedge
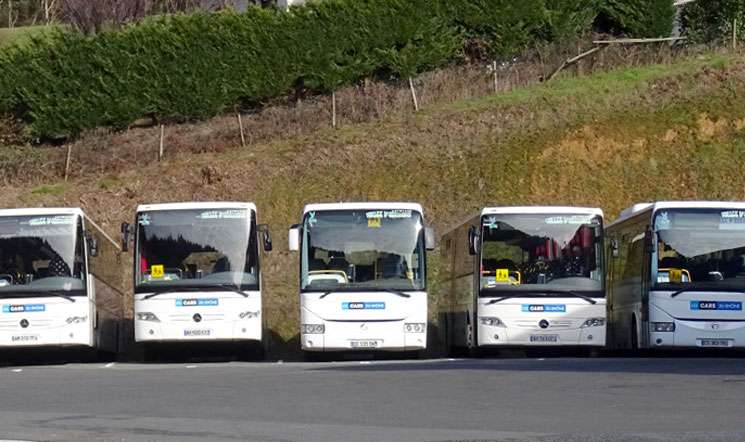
[713,20]
[190,67]
[637,18]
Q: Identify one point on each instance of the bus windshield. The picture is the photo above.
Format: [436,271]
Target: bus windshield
[363,250]
[41,253]
[700,248]
[203,248]
[541,253]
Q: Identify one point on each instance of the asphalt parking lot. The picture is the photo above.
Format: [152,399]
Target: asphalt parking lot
[541,399]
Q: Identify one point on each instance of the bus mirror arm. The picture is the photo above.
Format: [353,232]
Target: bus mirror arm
[648,241]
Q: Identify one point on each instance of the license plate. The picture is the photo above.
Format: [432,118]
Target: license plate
[715,342]
[544,338]
[195,333]
[24,338]
[364,344]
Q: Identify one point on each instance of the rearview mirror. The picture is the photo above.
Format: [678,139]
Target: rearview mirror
[293,238]
[429,238]
[92,243]
[648,241]
[266,237]
[472,241]
[126,231]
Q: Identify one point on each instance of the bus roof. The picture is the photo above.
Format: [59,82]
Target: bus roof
[636,209]
[33,211]
[363,206]
[195,205]
[542,210]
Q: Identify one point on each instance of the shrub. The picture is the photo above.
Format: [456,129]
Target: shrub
[713,20]
[636,18]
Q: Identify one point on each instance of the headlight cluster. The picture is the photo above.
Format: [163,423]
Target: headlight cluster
[76,319]
[491,321]
[415,327]
[594,322]
[147,316]
[664,326]
[314,329]
[249,315]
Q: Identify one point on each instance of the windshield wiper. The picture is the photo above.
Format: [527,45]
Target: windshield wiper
[164,292]
[572,293]
[58,293]
[233,288]
[394,291]
[500,299]
[398,292]
[703,290]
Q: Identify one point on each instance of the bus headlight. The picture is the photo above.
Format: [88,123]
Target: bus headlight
[147,316]
[491,321]
[594,322]
[76,319]
[249,315]
[664,326]
[313,329]
[415,327]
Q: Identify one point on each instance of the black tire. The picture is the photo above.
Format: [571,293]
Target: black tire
[634,337]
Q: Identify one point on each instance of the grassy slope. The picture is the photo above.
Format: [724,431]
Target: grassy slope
[659,132]
[8,35]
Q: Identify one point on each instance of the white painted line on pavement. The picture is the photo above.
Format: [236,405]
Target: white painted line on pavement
[191,366]
[17,370]
[109,365]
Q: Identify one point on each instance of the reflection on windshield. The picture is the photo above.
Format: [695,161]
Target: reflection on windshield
[703,247]
[197,248]
[41,253]
[530,252]
[363,249]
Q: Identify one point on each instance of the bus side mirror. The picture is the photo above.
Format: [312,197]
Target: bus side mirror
[473,239]
[614,248]
[92,243]
[126,230]
[648,241]
[266,237]
[429,238]
[293,238]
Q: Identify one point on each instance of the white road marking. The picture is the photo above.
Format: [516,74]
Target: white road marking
[109,365]
[17,370]
[364,362]
[191,366]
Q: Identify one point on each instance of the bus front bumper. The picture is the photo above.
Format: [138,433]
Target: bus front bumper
[509,336]
[700,334]
[30,336]
[368,336]
[185,331]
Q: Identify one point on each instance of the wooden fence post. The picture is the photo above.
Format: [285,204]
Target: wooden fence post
[413,95]
[240,126]
[496,77]
[67,161]
[162,137]
[333,109]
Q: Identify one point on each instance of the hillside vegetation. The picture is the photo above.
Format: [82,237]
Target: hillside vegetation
[608,140]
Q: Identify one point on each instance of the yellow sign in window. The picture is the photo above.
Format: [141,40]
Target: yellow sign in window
[157,271]
[503,275]
[676,275]
[374,222]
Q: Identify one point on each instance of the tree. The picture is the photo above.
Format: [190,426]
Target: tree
[713,20]
[92,16]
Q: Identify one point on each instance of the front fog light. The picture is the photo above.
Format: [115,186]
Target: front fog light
[76,319]
[248,315]
[664,326]
[490,321]
[147,316]
[313,329]
[594,322]
[415,327]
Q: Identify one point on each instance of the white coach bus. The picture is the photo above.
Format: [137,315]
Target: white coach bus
[363,275]
[523,276]
[676,275]
[60,281]
[196,272]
